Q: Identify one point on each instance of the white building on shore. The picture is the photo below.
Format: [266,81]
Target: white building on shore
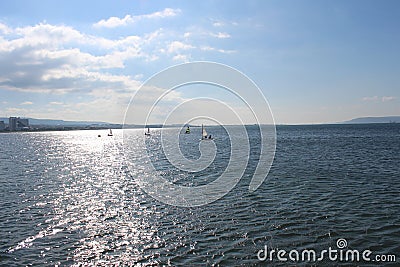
[18,124]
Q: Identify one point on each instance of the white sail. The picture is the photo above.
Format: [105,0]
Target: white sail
[204,132]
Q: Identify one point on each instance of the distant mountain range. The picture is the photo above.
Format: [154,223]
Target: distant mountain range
[386,119]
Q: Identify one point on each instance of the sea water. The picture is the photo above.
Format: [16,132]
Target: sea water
[68,198]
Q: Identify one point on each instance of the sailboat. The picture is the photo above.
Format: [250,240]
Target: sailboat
[110,133]
[204,135]
[148,131]
[187,130]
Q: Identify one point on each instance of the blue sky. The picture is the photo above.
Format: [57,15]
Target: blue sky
[315,61]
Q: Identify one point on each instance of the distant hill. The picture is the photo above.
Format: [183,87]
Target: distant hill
[46,122]
[386,119]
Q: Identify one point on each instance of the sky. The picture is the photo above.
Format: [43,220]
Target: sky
[314,61]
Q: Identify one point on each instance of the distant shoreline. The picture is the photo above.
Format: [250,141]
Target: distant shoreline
[41,125]
[64,129]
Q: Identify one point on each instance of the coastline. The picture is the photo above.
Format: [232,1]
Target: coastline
[86,128]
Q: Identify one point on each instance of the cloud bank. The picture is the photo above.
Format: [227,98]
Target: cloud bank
[85,72]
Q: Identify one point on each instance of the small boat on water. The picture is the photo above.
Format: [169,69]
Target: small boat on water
[110,133]
[187,130]
[204,135]
[148,132]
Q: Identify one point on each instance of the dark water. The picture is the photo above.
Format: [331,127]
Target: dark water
[67,198]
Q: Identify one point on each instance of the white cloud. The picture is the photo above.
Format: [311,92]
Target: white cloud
[21,111]
[138,76]
[226,51]
[378,98]
[218,24]
[370,98]
[388,98]
[177,46]
[167,12]
[181,57]
[4,28]
[44,35]
[223,23]
[26,103]
[200,32]
[113,22]
[55,103]
[56,36]
[209,48]
[221,35]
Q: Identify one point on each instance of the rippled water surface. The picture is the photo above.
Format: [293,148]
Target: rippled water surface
[67,198]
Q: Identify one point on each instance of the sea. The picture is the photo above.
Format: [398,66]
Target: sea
[69,198]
